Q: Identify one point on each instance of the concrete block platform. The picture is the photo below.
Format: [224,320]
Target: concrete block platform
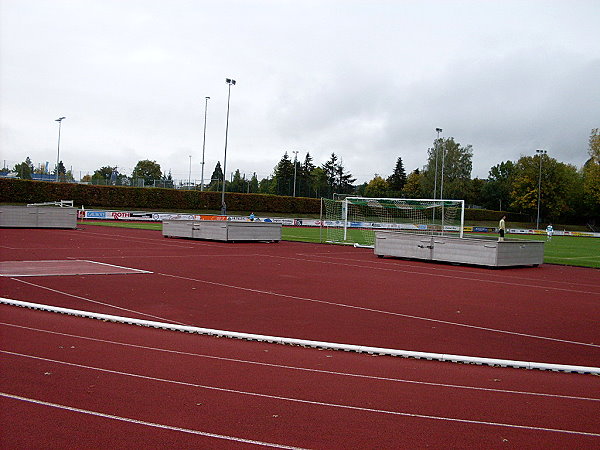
[37,217]
[221,230]
[452,249]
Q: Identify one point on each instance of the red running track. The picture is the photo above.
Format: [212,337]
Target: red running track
[69,381]
[336,294]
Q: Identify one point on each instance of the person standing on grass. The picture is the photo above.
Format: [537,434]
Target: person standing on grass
[549,232]
[502,228]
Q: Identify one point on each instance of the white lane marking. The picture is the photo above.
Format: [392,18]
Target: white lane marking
[307,369]
[97,302]
[309,402]
[379,311]
[113,265]
[143,422]
[457,277]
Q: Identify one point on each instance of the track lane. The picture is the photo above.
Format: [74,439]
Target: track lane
[342,409]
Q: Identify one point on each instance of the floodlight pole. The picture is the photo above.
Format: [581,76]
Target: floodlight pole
[229,82]
[295,152]
[437,145]
[59,120]
[204,143]
[541,153]
[190,173]
[439,130]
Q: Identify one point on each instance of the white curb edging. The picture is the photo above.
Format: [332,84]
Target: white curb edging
[309,343]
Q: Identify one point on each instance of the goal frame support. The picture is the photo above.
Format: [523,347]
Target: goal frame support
[440,201]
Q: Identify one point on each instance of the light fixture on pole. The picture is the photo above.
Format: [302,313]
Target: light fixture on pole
[190,174]
[229,82]
[439,130]
[204,143]
[59,120]
[541,154]
[295,152]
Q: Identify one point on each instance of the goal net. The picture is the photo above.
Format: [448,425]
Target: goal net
[353,220]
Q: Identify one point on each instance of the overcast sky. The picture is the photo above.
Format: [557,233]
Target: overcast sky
[368,80]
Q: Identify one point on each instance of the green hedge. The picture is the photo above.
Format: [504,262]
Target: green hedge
[27,191]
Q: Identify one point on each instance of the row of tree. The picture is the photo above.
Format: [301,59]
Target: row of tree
[563,191]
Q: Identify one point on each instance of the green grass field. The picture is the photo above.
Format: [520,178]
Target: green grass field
[567,250]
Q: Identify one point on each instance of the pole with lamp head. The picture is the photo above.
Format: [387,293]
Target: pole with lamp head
[230,82]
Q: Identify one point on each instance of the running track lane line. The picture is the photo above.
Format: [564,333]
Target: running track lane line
[142,422]
[305,299]
[307,343]
[395,269]
[379,311]
[436,269]
[311,402]
[96,301]
[307,369]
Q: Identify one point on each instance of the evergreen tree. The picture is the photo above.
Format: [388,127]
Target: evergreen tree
[216,179]
[283,176]
[61,171]
[238,184]
[344,180]
[24,169]
[397,180]
[304,177]
[254,183]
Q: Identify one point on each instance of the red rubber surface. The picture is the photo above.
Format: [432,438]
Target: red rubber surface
[256,391]
[328,293]
[288,395]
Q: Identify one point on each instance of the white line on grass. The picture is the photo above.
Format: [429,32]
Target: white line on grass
[306,369]
[143,422]
[310,402]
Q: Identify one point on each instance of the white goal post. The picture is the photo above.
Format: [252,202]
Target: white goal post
[355,219]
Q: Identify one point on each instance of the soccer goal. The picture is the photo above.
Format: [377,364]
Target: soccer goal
[353,220]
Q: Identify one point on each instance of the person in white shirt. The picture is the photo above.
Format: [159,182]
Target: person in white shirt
[549,232]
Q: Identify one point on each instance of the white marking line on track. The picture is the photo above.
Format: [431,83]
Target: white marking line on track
[379,311]
[308,402]
[97,302]
[143,422]
[307,369]
[120,237]
[112,265]
[465,269]
[398,269]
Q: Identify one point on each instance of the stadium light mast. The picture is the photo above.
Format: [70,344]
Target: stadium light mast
[190,173]
[59,120]
[295,152]
[204,143]
[439,130]
[541,153]
[229,82]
